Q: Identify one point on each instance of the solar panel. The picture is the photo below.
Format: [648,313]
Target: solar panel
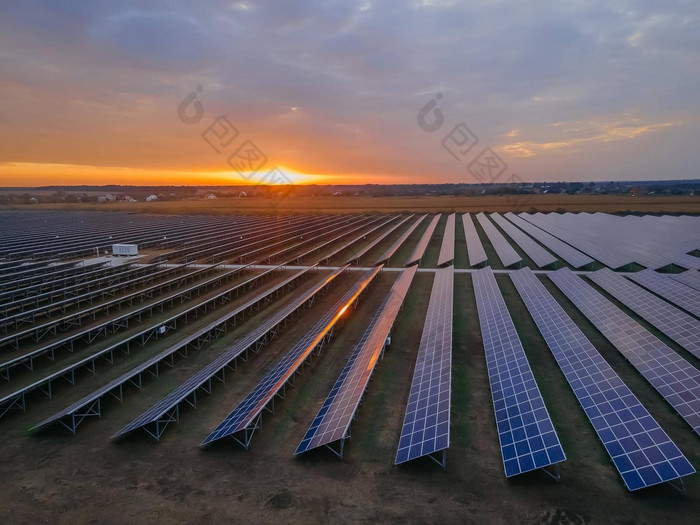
[144,276]
[684,329]
[671,375]
[18,399]
[504,250]
[560,227]
[570,254]
[166,410]
[332,422]
[376,241]
[447,248]
[525,430]
[649,241]
[475,249]
[358,238]
[426,424]
[690,278]
[245,417]
[84,407]
[539,255]
[641,451]
[392,249]
[670,289]
[419,250]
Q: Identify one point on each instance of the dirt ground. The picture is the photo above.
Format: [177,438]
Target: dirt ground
[57,478]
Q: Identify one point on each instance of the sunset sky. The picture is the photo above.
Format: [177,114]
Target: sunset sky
[330,92]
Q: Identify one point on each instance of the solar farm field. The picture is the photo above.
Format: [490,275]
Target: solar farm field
[492,367]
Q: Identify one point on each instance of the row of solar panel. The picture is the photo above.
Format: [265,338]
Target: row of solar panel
[518,457]
[640,449]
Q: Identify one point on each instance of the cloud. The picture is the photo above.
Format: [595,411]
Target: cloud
[98,84]
[582,133]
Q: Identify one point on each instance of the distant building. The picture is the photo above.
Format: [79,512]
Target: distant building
[242,194]
[151,198]
[106,198]
[210,196]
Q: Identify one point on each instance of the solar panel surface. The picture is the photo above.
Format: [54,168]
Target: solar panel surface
[539,255]
[376,241]
[689,278]
[392,249]
[670,289]
[333,420]
[426,424]
[570,254]
[525,430]
[556,225]
[641,451]
[504,250]
[246,413]
[683,328]
[671,375]
[419,250]
[475,250]
[162,408]
[447,248]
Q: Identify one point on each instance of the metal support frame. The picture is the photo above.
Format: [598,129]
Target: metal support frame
[172,416]
[92,410]
[341,447]
[247,433]
[441,459]
[556,475]
[680,487]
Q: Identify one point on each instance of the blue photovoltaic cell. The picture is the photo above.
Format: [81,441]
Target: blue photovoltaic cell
[333,420]
[672,376]
[245,415]
[159,411]
[525,430]
[683,328]
[678,293]
[426,424]
[689,278]
[641,451]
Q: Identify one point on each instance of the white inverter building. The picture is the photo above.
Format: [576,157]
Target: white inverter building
[125,249]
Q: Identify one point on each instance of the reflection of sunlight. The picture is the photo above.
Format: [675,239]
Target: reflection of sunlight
[278,175]
[374,358]
[18,173]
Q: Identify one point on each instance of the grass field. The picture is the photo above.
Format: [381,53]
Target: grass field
[591,203]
